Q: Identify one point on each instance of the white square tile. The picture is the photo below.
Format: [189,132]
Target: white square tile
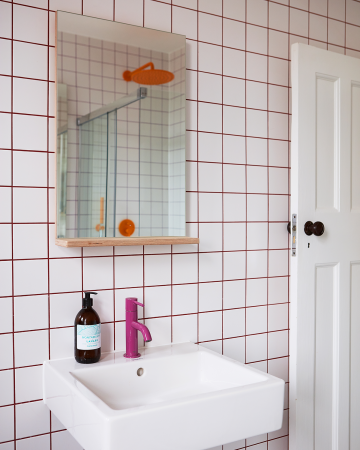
[234,149]
[256,347]
[210,207]
[92,8]
[257,207]
[36,247]
[233,91]
[5,93]
[256,95]
[215,346]
[28,384]
[210,296]
[129,250]
[233,323]
[234,265]
[191,85]
[234,120]
[234,208]
[5,125]
[256,264]
[233,294]
[184,21]
[31,348]
[5,167]
[284,430]
[210,267]
[157,270]
[131,13]
[185,268]
[278,206]
[256,320]
[235,445]
[278,153]
[278,344]
[30,277]
[336,32]
[22,176]
[5,49]
[30,96]
[210,28]
[299,22]
[61,343]
[63,309]
[6,20]
[278,317]
[257,12]
[64,439]
[5,242]
[256,39]
[233,62]
[210,88]
[31,419]
[234,236]
[6,318]
[210,117]
[157,16]
[6,344]
[184,328]
[318,27]
[211,6]
[160,330]
[256,180]
[30,132]
[210,326]
[5,278]
[30,60]
[191,54]
[336,9]
[128,271]
[278,180]
[278,263]
[30,312]
[256,292]
[279,368]
[103,304]
[65,275]
[278,125]
[192,4]
[7,424]
[234,178]
[234,10]
[318,6]
[278,236]
[278,99]
[278,43]
[191,145]
[210,147]
[191,115]
[257,236]
[235,349]
[256,67]
[278,290]
[233,34]
[7,387]
[30,205]
[278,71]
[352,36]
[257,123]
[192,206]
[157,301]
[278,17]
[210,177]
[257,442]
[185,299]
[98,273]
[98,251]
[257,150]
[210,58]
[38,442]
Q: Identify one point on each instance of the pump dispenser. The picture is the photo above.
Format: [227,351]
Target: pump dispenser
[87,332]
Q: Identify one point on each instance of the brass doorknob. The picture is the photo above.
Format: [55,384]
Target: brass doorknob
[316,228]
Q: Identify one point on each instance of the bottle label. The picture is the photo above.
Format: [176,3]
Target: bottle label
[88,337]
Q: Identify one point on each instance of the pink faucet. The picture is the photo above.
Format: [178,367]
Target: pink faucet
[132,327]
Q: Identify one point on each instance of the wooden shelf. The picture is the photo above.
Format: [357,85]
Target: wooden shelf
[110,242]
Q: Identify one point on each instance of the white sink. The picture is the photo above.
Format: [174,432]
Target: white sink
[187,398]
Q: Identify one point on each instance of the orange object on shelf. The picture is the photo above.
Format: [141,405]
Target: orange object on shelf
[150,77]
[126,227]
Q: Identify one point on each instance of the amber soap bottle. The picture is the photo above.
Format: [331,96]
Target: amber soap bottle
[87,330]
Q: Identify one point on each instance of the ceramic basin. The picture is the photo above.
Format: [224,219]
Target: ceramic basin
[178,397]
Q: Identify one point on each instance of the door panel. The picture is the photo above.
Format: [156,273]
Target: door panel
[355,146]
[355,357]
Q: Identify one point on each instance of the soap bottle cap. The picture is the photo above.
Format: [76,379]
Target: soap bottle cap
[88,301]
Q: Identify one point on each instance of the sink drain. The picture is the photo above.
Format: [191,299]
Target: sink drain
[140,372]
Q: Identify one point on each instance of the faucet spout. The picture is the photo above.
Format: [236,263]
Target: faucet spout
[143,330]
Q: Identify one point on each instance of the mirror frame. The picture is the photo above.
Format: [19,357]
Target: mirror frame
[110,241]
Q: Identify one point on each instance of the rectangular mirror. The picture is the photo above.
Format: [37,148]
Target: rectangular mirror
[120,132]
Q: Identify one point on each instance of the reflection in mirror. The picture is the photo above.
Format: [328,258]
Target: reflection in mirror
[120,130]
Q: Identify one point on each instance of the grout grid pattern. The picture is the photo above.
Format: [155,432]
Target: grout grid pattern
[231,292]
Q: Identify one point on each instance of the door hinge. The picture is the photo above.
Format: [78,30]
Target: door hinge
[293,234]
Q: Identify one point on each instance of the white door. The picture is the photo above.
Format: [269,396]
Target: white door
[325,273]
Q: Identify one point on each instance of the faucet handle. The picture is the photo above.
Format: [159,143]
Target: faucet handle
[131,303]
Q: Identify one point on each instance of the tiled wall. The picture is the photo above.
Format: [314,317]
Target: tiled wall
[231,293]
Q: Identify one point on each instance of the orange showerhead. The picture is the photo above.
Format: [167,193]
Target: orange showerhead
[150,77]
